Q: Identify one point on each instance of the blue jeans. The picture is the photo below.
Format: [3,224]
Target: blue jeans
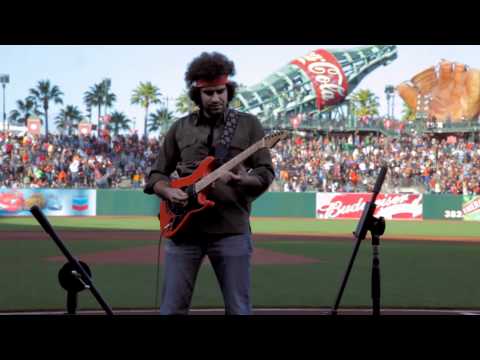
[230,258]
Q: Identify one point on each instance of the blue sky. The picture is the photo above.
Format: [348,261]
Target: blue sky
[75,68]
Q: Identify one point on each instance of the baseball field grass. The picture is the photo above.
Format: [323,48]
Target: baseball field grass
[426,228]
[414,273]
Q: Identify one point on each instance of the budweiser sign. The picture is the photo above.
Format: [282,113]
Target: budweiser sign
[471,206]
[326,75]
[351,205]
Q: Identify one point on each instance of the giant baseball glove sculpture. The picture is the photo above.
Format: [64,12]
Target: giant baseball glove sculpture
[452,94]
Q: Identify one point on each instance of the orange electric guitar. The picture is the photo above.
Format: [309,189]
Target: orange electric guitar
[173,216]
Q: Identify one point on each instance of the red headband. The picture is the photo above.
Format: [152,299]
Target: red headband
[221,80]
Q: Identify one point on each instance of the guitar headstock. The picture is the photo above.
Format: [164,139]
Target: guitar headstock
[272,139]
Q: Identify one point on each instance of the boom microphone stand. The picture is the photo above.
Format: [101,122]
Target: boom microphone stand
[74,276]
[376,226]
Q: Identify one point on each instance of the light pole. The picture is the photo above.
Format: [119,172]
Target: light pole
[390,93]
[4,79]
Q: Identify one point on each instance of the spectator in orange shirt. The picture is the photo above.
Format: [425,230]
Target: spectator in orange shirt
[62,177]
[354,177]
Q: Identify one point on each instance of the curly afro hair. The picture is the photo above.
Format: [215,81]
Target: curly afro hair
[208,66]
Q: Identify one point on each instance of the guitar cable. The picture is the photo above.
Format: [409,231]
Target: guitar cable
[157,281]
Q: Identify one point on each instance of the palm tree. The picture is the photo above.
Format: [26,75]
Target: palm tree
[119,121]
[145,95]
[161,119]
[68,118]
[99,95]
[93,97]
[408,114]
[25,109]
[89,111]
[364,102]
[108,98]
[184,105]
[44,93]
[236,103]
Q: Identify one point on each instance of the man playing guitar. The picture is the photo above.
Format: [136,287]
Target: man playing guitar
[221,231]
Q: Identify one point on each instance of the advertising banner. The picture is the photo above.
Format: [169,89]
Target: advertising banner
[471,208]
[34,126]
[53,202]
[326,75]
[85,128]
[350,206]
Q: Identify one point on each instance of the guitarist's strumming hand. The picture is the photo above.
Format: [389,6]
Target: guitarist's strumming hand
[174,195]
[239,177]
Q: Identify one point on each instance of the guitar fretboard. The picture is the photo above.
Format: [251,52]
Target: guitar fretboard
[215,175]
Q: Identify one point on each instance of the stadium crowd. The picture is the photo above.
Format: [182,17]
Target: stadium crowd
[308,161]
[351,163]
[72,161]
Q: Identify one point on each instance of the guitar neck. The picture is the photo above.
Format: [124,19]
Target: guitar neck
[215,175]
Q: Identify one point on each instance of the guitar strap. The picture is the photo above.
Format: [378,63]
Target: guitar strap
[221,149]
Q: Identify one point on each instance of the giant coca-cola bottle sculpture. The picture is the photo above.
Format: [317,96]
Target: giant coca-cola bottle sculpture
[313,86]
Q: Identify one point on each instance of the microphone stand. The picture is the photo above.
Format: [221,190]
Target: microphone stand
[376,226]
[74,275]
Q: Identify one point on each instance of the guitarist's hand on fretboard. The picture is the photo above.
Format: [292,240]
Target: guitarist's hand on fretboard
[226,178]
[237,177]
[232,177]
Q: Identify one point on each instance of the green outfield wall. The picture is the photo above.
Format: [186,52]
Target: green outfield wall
[285,204]
[135,202]
[111,202]
[442,206]
[126,202]
[274,204]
